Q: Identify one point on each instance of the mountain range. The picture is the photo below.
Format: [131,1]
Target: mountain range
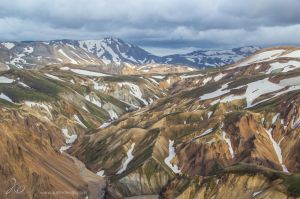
[108,51]
[70,131]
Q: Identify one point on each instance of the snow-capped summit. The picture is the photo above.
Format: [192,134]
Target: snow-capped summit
[211,58]
[108,51]
[114,50]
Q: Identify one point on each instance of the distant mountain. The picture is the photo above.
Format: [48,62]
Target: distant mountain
[114,50]
[108,51]
[211,58]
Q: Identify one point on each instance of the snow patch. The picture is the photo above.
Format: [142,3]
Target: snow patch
[93,100]
[28,50]
[134,90]
[190,76]
[209,114]
[65,55]
[206,132]
[89,73]
[23,84]
[8,45]
[64,68]
[113,115]
[219,76]
[253,91]
[5,80]
[79,121]
[256,193]
[54,77]
[100,173]
[128,160]
[277,149]
[172,154]
[260,57]
[294,54]
[275,118]
[283,67]
[70,139]
[5,97]
[84,108]
[206,80]
[158,76]
[104,125]
[228,141]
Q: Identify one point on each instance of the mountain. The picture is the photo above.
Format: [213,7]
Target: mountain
[211,58]
[227,132]
[114,50]
[109,51]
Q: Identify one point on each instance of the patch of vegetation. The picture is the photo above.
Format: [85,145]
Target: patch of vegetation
[113,100]
[4,103]
[100,113]
[39,83]
[273,103]
[123,78]
[292,182]
[18,94]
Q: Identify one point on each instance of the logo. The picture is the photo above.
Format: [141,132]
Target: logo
[15,187]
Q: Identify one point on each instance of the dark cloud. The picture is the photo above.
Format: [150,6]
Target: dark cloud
[159,23]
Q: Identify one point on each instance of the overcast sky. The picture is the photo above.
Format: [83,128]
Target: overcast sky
[155,23]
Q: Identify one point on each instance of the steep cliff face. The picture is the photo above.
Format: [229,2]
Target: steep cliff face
[30,155]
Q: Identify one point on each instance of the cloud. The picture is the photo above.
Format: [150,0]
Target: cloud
[172,23]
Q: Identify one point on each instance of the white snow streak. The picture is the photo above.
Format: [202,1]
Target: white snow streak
[65,55]
[228,141]
[172,154]
[277,149]
[5,97]
[219,76]
[5,80]
[129,158]
[54,77]
[135,91]
[79,121]
[100,173]
[89,73]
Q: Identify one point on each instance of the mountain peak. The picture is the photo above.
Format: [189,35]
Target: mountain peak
[113,50]
[112,39]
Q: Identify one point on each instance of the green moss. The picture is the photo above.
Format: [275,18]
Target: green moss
[39,83]
[292,182]
[100,113]
[4,103]
[112,100]
[273,103]
[18,94]
[89,125]
[124,78]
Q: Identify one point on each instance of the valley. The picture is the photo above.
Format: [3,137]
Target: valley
[92,129]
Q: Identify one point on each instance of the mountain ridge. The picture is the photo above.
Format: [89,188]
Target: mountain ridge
[108,51]
[194,134]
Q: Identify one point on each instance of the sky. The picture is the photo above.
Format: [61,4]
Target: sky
[157,25]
